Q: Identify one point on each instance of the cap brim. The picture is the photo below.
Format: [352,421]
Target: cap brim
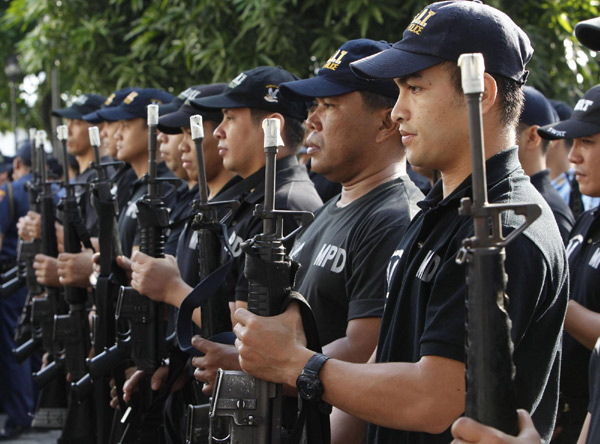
[67,113]
[393,63]
[114,114]
[306,89]
[170,107]
[588,33]
[222,101]
[568,129]
[93,118]
[171,123]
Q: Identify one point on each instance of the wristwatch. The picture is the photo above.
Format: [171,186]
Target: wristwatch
[308,383]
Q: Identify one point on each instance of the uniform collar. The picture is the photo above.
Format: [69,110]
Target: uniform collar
[258,192]
[498,167]
[540,177]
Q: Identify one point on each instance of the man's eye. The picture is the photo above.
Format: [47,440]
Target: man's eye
[414,89]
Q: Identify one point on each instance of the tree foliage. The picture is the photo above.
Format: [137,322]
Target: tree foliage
[103,45]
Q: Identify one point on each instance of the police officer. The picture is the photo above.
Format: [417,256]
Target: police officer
[583,321]
[537,111]
[16,389]
[417,387]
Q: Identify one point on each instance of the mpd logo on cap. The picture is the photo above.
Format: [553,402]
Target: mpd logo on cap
[334,61]
[189,94]
[80,100]
[420,21]
[238,80]
[272,93]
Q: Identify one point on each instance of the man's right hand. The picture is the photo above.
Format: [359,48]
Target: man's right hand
[216,356]
[46,270]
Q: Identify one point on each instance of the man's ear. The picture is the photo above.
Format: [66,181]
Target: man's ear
[531,137]
[387,127]
[490,93]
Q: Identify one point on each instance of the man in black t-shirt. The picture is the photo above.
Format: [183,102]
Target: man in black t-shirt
[343,254]
[413,388]
[582,323]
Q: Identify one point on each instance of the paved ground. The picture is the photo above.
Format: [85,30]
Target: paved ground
[34,436]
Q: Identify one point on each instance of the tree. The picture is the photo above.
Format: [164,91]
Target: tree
[105,45]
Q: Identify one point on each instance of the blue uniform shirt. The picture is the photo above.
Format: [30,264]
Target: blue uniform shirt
[9,218]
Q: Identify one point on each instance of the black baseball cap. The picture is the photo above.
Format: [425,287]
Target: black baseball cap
[84,104]
[173,122]
[257,88]
[563,110]
[445,30]
[585,120]
[537,109]
[175,104]
[335,77]
[135,103]
[588,33]
[6,163]
[111,101]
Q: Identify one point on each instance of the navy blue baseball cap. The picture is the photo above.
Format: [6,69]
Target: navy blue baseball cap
[257,88]
[537,109]
[335,77]
[563,111]
[24,152]
[585,120]
[135,103]
[111,101]
[84,104]
[189,93]
[173,122]
[6,163]
[445,30]
[588,33]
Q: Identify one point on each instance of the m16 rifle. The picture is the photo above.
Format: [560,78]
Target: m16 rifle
[111,277]
[490,390]
[23,273]
[145,318]
[215,314]
[252,407]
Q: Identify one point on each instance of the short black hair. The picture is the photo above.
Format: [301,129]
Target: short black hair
[293,130]
[374,102]
[510,93]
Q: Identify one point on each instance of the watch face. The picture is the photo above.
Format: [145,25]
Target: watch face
[307,387]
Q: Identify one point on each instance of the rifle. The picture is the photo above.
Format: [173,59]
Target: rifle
[147,334]
[257,419]
[52,399]
[490,389]
[108,282]
[23,273]
[215,315]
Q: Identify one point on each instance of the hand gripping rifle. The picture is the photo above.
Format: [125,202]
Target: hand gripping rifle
[252,407]
[108,282]
[146,318]
[72,330]
[45,307]
[215,314]
[490,390]
[23,273]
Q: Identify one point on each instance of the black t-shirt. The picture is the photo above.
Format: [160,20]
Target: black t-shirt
[122,183]
[84,201]
[594,407]
[187,246]
[180,214]
[425,307]
[128,223]
[584,266]
[293,191]
[560,209]
[344,254]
